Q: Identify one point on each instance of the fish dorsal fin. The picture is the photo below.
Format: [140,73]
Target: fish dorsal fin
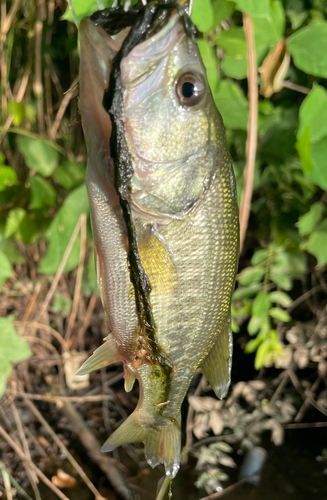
[105,355]
[217,365]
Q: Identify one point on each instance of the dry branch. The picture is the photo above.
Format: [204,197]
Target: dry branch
[251,142]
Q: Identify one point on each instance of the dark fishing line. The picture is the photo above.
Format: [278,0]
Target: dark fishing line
[143,20]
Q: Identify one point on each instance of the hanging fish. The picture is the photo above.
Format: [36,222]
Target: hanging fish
[164,215]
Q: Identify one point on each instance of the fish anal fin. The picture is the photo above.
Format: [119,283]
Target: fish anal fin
[129,379]
[162,441]
[217,365]
[106,354]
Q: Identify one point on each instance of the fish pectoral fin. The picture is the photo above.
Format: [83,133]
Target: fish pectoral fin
[162,442]
[217,365]
[105,355]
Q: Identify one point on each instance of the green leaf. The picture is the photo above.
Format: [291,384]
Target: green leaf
[251,275]
[8,177]
[262,352]
[62,304]
[202,15]
[254,324]
[261,304]
[313,114]
[5,269]
[17,109]
[233,44]
[70,174]
[253,344]
[304,149]
[83,8]
[246,291]
[280,314]
[318,155]
[309,220]
[281,298]
[20,225]
[234,67]
[312,136]
[222,9]
[268,30]
[281,280]
[209,57]
[308,47]
[60,231]
[14,220]
[255,7]
[39,155]
[42,193]
[260,256]
[296,12]
[12,349]
[317,243]
[232,104]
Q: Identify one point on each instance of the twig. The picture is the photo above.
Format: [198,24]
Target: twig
[23,457]
[165,485]
[107,465]
[61,267]
[31,303]
[3,62]
[309,400]
[60,399]
[304,425]
[46,328]
[293,86]
[230,488]
[251,141]
[69,95]
[304,297]
[79,276]
[14,482]
[38,85]
[30,473]
[87,319]
[62,447]
[8,20]
[189,419]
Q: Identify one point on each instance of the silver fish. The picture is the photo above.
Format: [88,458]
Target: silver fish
[167,240]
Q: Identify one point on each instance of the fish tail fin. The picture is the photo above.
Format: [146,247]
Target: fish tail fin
[162,441]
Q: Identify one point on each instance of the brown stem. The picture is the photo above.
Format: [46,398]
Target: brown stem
[107,465]
[80,269]
[251,142]
[23,457]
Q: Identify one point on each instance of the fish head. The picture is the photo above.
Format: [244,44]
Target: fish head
[172,126]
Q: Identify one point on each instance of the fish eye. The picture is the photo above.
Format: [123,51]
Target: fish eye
[190,89]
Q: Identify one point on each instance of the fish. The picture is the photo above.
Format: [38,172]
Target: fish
[164,215]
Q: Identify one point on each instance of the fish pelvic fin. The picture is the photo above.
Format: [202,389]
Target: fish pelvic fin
[217,365]
[105,355]
[162,441]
